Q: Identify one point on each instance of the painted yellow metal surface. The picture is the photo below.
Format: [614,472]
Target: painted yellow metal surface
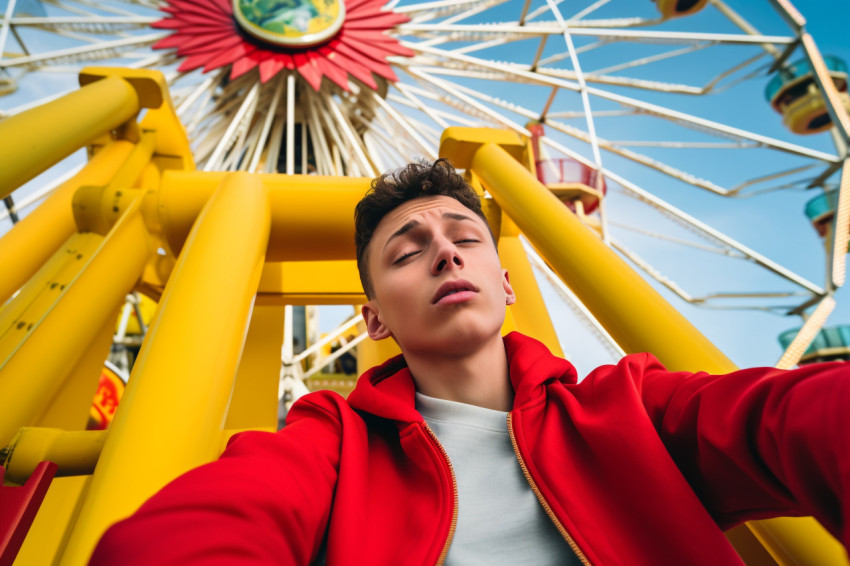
[247,245]
[529,312]
[331,282]
[254,401]
[206,308]
[68,412]
[798,541]
[34,140]
[48,534]
[29,244]
[298,232]
[635,315]
[371,353]
[82,291]
[70,407]
[75,452]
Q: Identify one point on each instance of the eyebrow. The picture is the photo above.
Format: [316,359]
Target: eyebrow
[415,223]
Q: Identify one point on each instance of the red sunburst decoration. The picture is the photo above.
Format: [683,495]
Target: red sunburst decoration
[206,33]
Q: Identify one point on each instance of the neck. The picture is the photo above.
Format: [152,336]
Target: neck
[478,378]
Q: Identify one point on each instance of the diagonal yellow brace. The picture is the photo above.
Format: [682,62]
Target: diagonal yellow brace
[636,316]
[206,308]
[30,243]
[36,139]
[80,292]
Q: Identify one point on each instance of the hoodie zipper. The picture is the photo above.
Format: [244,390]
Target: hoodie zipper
[543,502]
[445,551]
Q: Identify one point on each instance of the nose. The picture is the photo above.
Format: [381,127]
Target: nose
[447,257]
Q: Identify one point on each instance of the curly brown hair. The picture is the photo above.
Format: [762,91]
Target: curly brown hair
[415,180]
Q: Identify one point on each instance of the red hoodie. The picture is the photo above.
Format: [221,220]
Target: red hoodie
[635,465]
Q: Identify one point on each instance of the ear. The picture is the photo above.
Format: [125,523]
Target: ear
[510,296]
[372,318]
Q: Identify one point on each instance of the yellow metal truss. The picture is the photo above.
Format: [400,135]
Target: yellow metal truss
[222,253]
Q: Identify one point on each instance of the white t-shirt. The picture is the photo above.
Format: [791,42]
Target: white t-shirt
[499,519]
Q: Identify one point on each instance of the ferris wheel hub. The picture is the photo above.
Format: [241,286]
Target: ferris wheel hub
[303,23]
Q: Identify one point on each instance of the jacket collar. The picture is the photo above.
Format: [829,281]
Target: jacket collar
[388,391]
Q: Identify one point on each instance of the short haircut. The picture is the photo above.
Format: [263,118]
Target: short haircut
[392,189]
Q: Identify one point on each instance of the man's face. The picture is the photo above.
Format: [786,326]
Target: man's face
[438,285]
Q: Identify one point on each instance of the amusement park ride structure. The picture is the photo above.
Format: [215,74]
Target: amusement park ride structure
[225,199]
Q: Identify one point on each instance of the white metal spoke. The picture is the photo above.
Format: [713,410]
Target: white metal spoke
[652,271]
[102,24]
[427,148]
[719,250]
[102,50]
[237,125]
[486,32]
[756,257]
[6,26]
[807,333]
[290,124]
[267,124]
[585,102]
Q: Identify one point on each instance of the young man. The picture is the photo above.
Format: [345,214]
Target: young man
[472,448]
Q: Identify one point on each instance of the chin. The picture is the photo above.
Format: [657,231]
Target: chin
[454,340]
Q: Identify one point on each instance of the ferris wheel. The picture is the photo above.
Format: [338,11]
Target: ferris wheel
[670,115]
[674,130]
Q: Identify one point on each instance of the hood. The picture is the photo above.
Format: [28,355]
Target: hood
[531,365]
[388,391]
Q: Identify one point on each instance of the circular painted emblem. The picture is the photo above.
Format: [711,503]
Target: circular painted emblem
[292,23]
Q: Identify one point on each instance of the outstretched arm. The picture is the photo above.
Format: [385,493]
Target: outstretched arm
[266,500]
[759,442]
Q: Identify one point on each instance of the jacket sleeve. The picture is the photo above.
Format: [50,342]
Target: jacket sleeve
[759,442]
[266,500]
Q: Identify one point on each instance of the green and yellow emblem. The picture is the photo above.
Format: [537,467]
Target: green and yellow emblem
[292,23]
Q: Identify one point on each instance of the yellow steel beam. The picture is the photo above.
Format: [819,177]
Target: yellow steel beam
[67,306]
[332,282]
[46,537]
[172,414]
[311,283]
[636,316]
[36,139]
[70,407]
[529,313]
[75,452]
[31,242]
[69,410]
[312,217]
[254,401]
[371,353]
[120,165]
[799,541]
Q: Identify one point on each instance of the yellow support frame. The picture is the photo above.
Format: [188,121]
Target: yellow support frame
[81,287]
[529,313]
[640,320]
[247,245]
[31,242]
[60,128]
[206,308]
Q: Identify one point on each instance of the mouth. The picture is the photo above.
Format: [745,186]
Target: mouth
[452,292]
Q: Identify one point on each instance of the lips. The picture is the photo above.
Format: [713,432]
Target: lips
[454,291]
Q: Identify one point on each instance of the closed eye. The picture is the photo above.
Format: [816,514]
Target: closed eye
[405,256]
